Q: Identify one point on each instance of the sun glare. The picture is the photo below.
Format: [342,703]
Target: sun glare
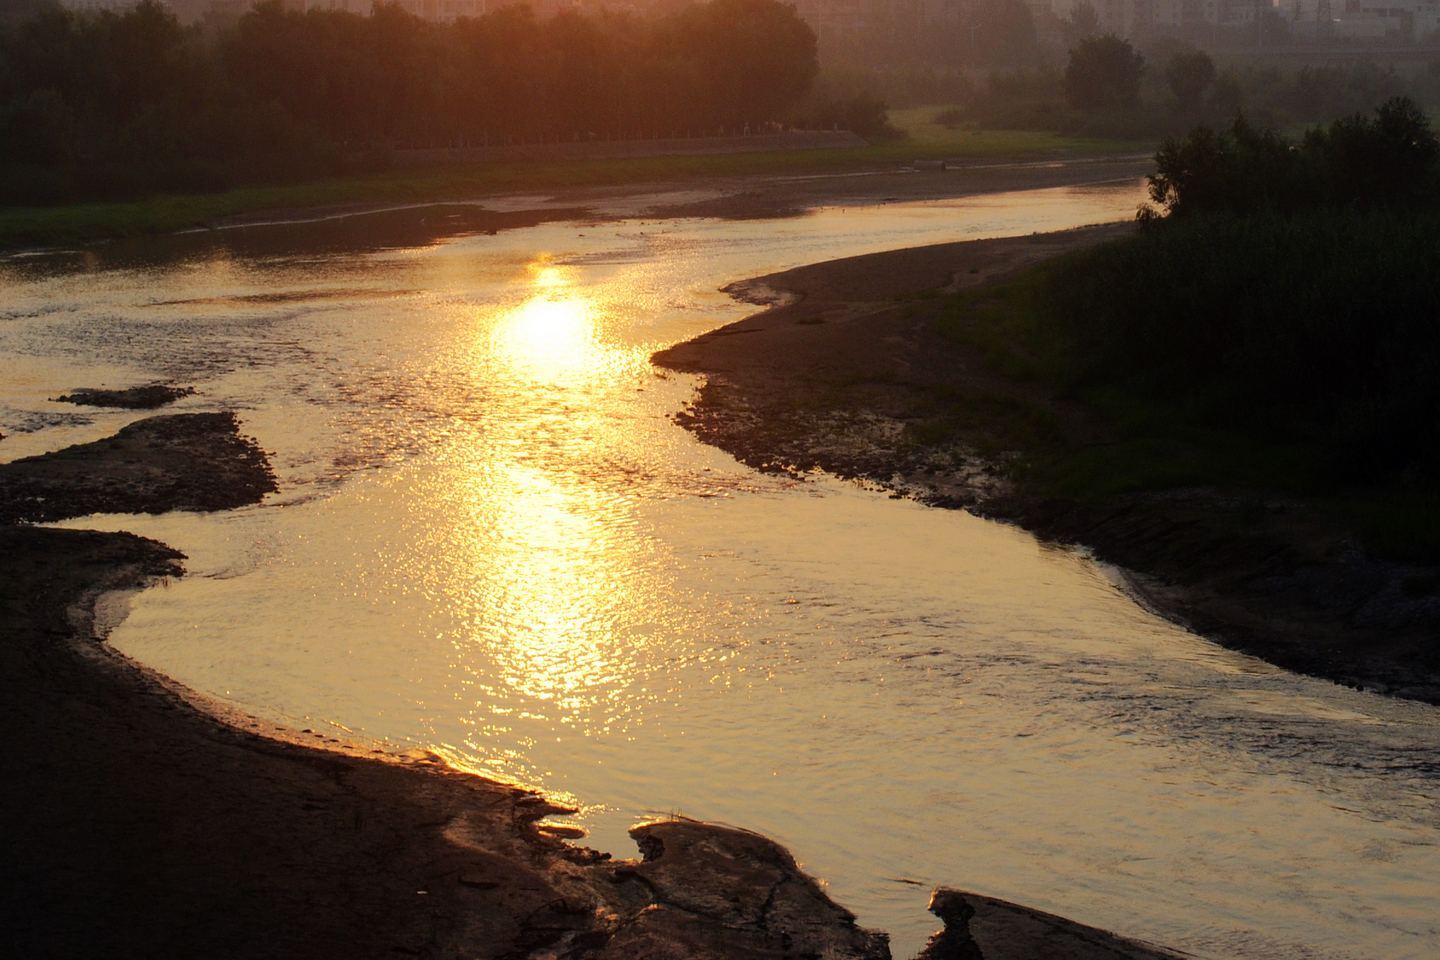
[551,336]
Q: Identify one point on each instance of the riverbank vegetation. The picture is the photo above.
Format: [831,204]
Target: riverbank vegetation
[171,211]
[112,105]
[1273,326]
[1106,86]
[118,124]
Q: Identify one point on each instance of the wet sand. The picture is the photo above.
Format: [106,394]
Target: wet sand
[149,826]
[146,821]
[144,397]
[191,461]
[848,371]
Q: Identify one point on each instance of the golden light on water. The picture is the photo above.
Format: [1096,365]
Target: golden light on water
[543,579]
[561,575]
[547,275]
[552,336]
[552,550]
[552,567]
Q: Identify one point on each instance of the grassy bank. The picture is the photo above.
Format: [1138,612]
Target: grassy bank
[1290,356]
[78,223]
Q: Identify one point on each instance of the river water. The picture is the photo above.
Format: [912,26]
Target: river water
[492,541]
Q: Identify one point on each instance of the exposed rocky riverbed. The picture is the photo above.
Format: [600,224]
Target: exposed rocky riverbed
[148,821]
[848,370]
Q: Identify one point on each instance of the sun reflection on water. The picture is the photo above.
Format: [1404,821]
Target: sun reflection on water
[552,337]
[554,559]
[547,581]
[559,576]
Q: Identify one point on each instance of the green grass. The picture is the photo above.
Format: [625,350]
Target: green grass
[1139,444]
[927,139]
[1138,440]
[78,223]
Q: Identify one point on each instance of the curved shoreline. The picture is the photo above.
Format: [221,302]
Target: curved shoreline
[149,825]
[847,373]
[156,828]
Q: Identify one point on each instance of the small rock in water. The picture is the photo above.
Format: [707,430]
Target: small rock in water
[954,942]
[566,830]
[146,397]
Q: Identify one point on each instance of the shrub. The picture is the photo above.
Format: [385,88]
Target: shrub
[1103,73]
[1390,158]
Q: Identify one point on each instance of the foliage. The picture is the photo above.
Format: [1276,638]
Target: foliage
[1020,99]
[1390,158]
[860,113]
[1247,347]
[898,86]
[1319,327]
[115,104]
[1290,303]
[1103,73]
[1269,95]
[1189,74]
[1002,32]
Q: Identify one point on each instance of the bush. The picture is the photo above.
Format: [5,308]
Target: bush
[1322,326]
[1189,75]
[1294,290]
[861,113]
[1103,73]
[1391,158]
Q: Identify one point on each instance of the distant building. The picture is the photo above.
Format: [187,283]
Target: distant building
[361,7]
[229,10]
[441,10]
[93,6]
[1362,19]
[857,19]
[1141,18]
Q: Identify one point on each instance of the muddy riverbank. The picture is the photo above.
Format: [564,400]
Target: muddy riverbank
[849,374]
[733,198]
[152,822]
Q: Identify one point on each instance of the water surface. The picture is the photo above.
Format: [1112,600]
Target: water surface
[491,540]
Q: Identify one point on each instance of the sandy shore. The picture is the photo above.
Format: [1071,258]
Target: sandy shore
[849,374]
[144,821]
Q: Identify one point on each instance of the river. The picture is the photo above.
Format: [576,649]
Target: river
[492,541]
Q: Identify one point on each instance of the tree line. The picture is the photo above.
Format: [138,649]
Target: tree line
[1288,288]
[1112,87]
[114,104]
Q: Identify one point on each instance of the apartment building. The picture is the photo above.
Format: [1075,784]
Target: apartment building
[1400,20]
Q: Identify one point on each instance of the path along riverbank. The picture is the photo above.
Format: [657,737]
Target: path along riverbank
[849,373]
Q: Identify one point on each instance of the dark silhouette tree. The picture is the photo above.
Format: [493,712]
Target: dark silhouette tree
[109,104]
[1189,75]
[1103,73]
[753,58]
[1391,159]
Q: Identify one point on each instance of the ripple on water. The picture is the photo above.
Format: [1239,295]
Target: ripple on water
[492,541]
